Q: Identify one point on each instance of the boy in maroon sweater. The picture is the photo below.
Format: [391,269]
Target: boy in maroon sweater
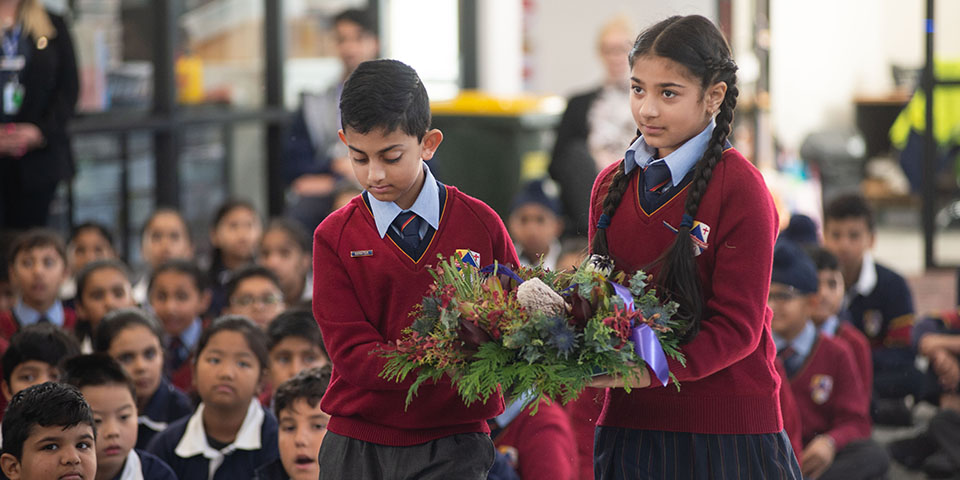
[833,406]
[540,446]
[372,266]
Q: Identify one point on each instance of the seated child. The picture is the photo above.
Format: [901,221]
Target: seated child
[89,241]
[38,266]
[34,356]
[230,434]
[48,433]
[371,262]
[540,445]
[255,293]
[164,236]
[345,190]
[102,287]
[178,297]
[880,306]
[823,377]
[295,344]
[110,394]
[536,222]
[936,450]
[286,249]
[234,236]
[302,426]
[832,320]
[134,339]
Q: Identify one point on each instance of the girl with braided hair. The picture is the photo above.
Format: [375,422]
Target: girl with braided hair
[687,207]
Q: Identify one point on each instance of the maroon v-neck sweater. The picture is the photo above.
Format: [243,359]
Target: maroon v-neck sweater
[730,384]
[363,291]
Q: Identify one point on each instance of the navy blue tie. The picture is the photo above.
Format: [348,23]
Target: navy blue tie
[791,360]
[656,178]
[408,225]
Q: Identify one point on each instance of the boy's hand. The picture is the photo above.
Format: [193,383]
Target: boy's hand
[817,457]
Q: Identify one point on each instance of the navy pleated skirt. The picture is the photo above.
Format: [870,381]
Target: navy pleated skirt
[623,453]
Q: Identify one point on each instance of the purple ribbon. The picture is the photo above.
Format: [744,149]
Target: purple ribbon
[500,268]
[645,341]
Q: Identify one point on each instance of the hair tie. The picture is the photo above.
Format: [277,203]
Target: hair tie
[603,222]
[687,221]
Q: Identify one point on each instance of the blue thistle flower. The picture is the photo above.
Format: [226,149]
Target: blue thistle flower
[563,340]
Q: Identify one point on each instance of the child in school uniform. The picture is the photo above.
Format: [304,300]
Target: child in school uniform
[833,321]
[234,236]
[536,223]
[164,236]
[880,305]
[179,297]
[286,250]
[111,396]
[37,263]
[823,377]
[48,433]
[230,434]
[34,357]
[295,344]
[302,426]
[539,446]
[135,340]
[371,263]
[254,292]
[89,241]
[688,208]
[102,287]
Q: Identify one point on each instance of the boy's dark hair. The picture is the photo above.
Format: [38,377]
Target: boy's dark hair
[41,342]
[256,339]
[95,370]
[695,43]
[91,225]
[36,238]
[362,18]
[161,211]
[850,206]
[309,385]
[6,241]
[823,258]
[385,94]
[48,404]
[89,269]
[295,323]
[185,267]
[294,230]
[229,206]
[251,271]
[119,320]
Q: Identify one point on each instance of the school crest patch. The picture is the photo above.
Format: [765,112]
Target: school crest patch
[469,257]
[872,323]
[821,386]
[699,233]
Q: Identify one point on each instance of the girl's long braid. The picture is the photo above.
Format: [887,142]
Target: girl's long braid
[618,187]
[679,275]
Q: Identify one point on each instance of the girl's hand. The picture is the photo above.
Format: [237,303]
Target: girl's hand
[611,381]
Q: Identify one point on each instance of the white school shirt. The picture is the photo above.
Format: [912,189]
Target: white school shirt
[132,470]
[194,440]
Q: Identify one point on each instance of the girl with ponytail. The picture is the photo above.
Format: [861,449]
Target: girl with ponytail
[687,207]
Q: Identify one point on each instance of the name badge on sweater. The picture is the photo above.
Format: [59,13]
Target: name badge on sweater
[361,253]
[699,233]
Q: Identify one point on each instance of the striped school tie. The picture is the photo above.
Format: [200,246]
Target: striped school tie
[408,225]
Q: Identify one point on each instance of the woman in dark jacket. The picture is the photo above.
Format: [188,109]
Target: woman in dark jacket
[38,77]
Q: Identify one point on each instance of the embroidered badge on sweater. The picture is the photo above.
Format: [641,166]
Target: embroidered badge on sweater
[820,388]
[469,257]
[699,233]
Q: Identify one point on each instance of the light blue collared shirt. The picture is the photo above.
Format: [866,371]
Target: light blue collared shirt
[28,316]
[679,162]
[427,206]
[189,338]
[830,326]
[802,344]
